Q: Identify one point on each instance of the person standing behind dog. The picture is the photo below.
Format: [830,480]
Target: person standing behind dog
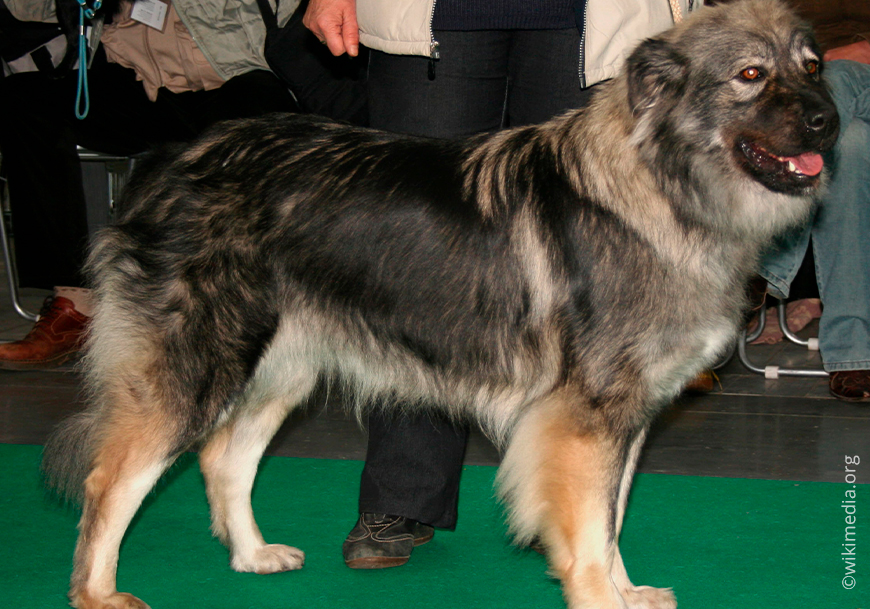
[841,223]
[148,84]
[481,66]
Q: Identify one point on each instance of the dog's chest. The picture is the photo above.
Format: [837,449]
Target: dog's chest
[696,350]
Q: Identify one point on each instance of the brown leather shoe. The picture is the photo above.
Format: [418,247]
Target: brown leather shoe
[756,291]
[380,541]
[703,383]
[850,385]
[55,339]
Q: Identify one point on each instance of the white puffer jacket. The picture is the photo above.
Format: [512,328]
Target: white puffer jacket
[612,28]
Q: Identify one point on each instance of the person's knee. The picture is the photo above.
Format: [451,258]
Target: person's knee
[852,151]
[849,83]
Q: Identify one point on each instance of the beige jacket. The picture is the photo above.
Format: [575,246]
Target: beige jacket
[399,27]
[612,29]
[30,10]
[230,33]
[167,58]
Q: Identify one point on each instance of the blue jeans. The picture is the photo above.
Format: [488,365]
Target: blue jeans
[840,228]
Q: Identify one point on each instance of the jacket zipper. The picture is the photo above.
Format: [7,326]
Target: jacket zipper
[433,44]
[581,69]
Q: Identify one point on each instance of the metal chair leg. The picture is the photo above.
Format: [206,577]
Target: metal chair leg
[10,274]
[115,182]
[774,372]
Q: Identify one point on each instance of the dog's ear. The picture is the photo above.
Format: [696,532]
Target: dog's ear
[653,67]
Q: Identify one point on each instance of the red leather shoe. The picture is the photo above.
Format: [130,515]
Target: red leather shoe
[55,339]
[850,385]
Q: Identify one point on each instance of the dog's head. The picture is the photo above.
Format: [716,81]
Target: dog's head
[736,89]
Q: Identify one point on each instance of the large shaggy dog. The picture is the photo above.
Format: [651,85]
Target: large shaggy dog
[558,283]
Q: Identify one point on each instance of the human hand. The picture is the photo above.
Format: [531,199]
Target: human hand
[334,24]
[858,51]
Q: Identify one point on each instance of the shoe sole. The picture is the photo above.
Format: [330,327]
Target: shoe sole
[844,398]
[386,562]
[43,364]
[419,541]
[377,562]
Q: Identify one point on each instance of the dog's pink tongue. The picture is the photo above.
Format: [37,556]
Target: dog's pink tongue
[809,163]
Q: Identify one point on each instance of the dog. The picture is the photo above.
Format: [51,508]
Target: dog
[558,283]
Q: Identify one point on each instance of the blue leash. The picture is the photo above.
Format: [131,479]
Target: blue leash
[82,90]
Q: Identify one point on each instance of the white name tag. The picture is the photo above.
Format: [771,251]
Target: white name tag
[150,12]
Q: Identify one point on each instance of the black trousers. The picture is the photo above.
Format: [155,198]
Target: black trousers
[484,81]
[39,134]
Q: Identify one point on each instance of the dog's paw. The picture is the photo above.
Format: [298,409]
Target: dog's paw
[119,600]
[272,558]
[647,597]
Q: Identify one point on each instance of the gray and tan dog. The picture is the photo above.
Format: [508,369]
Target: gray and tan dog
[557,283]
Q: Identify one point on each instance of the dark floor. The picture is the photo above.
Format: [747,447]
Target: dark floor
[748,427]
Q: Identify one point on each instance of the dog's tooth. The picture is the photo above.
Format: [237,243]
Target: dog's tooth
[791,167]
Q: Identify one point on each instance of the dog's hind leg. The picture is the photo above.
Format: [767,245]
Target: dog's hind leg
[229,464]
[636,597]
[562,482]
[134,447]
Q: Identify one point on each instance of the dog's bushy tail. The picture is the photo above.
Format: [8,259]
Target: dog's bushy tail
[68,455]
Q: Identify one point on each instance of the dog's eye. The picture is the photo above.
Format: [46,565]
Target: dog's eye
[812,67]
[751,74]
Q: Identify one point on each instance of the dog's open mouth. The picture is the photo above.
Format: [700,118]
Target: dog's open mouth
[782,172]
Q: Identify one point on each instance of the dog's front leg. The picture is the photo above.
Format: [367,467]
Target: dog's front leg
[636,597]
[562,478]
[577,486]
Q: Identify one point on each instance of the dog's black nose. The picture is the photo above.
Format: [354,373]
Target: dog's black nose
[821,120]
[819,111]
[816,121]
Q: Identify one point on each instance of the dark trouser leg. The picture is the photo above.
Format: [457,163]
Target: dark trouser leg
[540,86]
[45,183]
[484,81]
[466,96]
[413,466]
[38,137]
[414,462]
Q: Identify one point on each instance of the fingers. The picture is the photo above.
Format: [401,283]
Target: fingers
[350,32]
[334,23]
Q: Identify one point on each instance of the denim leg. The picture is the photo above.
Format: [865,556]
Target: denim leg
[842,226]
[781,263]
[842,255]
[839,230]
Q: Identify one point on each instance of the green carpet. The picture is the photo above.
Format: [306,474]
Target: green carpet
[720,543]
